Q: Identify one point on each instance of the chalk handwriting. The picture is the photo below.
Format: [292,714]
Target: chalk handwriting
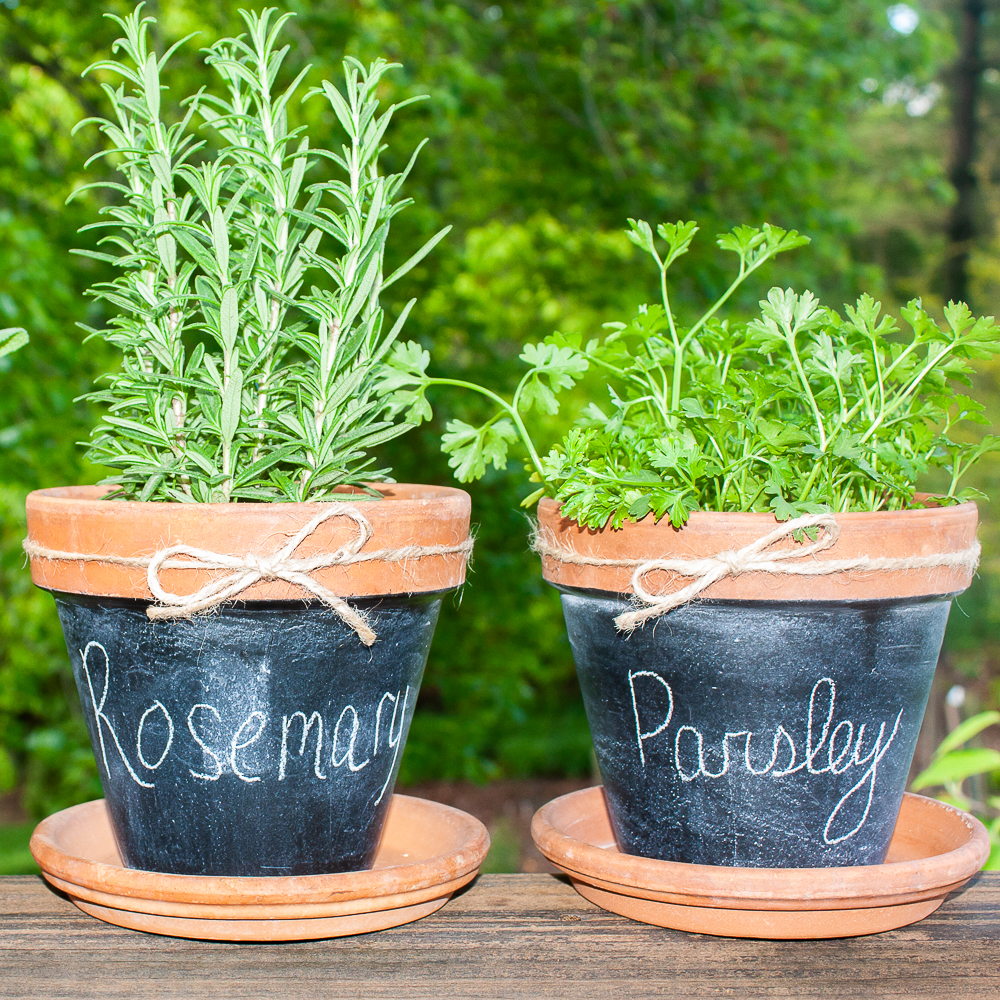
[825,751]
[348,757]
[393,744]
[640,735]
[314,720]
[235,745]
[138,736]
[224,748]
[201,743]
[99,715]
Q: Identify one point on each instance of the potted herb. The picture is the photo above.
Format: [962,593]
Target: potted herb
[261,737]
[754,592]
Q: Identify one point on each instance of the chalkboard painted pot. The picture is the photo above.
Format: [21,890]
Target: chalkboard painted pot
[771,722]
[264,738]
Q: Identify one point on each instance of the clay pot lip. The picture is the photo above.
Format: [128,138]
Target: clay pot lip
[803,604]
[466,844]
[889,538]
[757,888]
[397,492]
[716,521]
[74,519]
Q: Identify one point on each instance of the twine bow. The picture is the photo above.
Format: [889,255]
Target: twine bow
[731,562]
[250,569]
[247,570]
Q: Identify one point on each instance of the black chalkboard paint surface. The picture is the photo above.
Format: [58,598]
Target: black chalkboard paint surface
[261,740]
[755,733]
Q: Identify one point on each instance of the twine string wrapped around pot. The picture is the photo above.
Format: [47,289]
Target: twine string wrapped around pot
[752,558]
[249,569]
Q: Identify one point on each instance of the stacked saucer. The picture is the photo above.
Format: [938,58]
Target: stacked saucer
[427,852]
[935,849]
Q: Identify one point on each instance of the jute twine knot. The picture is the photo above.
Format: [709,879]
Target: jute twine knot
[249,569]
[752,558]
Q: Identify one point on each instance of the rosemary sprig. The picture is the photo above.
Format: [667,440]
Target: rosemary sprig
[238,381]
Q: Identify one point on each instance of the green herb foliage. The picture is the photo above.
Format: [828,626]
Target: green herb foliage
[11,339]
[954,763]
[798,411]
[238,383]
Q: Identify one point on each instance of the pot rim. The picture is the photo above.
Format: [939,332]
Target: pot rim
[396,492]
[75,519]
[701,518]
[895,537]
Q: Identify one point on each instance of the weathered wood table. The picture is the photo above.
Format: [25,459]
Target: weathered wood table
[507,936]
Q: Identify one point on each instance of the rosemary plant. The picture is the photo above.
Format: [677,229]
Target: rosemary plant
[239,381]
[797,411]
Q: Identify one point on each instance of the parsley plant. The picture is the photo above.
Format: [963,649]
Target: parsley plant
[798,411]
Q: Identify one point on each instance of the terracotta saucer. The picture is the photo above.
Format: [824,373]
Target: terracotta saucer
[428,851]
[935,849]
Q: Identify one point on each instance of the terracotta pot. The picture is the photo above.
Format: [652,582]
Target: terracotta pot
[262,739]
[76,519]
[771,722]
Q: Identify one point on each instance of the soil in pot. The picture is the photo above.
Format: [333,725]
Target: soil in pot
[762,725]
[264,738]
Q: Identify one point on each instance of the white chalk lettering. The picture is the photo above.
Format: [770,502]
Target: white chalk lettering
[701,769]
[211,728]
[349,752]
[841,747]
[774,752]
[835,760]
[640,735]
[236,746]
[378,716]
[399,736]
[138,736]
[314,720]
[812,752]
[201,743]
[687,775]
[101,717]
[868,778]
[792,766]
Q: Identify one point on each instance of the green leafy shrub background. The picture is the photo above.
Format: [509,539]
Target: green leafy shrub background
[549,125]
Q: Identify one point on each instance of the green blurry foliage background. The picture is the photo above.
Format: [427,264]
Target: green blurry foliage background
[550,122]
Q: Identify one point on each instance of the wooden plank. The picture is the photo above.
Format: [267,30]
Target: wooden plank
[508,936]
